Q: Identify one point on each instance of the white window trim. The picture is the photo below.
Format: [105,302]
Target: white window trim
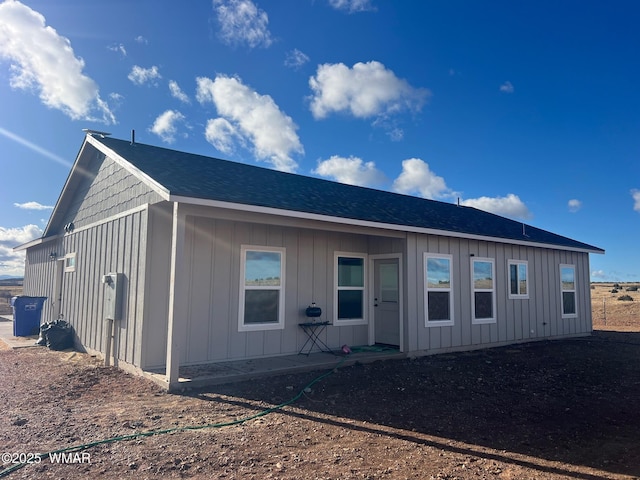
[71,268]
[438,323]
[480,321]
[518,296]
[575,291]
[242,327]
[336,288]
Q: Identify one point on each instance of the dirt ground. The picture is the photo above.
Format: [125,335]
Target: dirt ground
[546,410]
[8,289]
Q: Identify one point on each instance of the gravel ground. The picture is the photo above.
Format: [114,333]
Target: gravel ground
[546,410]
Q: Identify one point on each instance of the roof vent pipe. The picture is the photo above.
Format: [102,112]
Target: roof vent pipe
[133,137]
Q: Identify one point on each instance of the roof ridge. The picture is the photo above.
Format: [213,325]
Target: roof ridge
[211,179]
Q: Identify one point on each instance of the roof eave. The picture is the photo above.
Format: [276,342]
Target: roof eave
[33,243]
[64,189]
[75,169]
[369,224]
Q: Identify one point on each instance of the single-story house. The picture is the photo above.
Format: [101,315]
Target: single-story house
[160,258]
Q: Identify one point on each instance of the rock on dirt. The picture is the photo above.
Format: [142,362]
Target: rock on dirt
[547,410]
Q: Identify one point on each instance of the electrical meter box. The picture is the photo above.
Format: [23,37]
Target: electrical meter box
[112,295]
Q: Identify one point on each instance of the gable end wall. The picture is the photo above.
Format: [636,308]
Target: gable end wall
[106,190]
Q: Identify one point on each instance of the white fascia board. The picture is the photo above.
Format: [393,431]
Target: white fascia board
[41,240]
[33,243]
[150,182]
[74,168]
[366,223]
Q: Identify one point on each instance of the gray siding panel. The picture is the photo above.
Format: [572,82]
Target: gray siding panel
[40,274]
[213,257]
[157,254]
[539,316]
[110,247]
[221,303]
[105,190]
[138,244]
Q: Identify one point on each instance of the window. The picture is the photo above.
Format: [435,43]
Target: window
[518,279]
[261,288]
[70,262]
[483,302]
[389,289]
[568,288]
[350,289]
[438,290]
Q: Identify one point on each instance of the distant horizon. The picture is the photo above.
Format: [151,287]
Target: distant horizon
[522,109]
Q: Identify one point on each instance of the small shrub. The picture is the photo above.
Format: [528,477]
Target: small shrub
[626,298]
[614,291]
[634,288]
[617,286]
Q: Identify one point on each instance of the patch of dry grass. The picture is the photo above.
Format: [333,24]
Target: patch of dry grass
[611,313]
[6,292]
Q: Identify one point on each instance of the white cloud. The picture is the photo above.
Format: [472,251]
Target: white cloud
[165,125]
[396,134]
[140,76]
[116,100]
[17,236]
[509,206]
[507,87]
[352,6]
[12,263]
[142,40]
[242,22]
[255,118]
[574,205]
[222,135]
[366,90]
[33,206]
[177,92]
[390,126]
[352,171]
[38,55]
[417,177]
[636,199]
[295,59]
[599,274]
[118,48]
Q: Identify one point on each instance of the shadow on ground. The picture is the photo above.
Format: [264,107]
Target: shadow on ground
[569,401]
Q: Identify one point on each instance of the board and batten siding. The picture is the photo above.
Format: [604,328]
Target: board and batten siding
[537,317]
[213,249]
[40,272]
[114,246]
[156,308]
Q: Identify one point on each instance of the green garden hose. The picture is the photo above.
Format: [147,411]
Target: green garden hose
[85,446]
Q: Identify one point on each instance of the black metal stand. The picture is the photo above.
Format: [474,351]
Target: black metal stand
[313,331]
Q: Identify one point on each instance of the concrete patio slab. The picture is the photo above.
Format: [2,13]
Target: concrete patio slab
[196,376]
[6,335]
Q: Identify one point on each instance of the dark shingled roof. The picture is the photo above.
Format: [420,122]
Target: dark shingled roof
[197,176]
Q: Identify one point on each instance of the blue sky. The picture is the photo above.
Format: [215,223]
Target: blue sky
[528,109]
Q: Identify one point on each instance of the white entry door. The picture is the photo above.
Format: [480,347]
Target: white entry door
[386,301]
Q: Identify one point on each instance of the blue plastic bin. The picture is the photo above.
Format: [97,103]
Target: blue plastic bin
[26,315]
